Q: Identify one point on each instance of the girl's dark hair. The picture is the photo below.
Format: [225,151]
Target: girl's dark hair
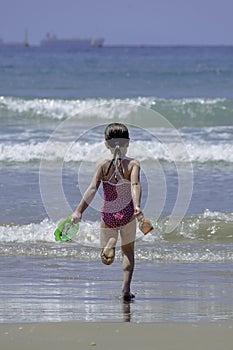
[116,135]
[116,132]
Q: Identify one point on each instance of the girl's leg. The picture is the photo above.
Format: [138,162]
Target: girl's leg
[108,240]
[128,233]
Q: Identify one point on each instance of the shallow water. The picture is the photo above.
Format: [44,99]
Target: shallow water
[45,289]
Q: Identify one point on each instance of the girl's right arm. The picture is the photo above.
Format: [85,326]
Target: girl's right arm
[89,193]
[136,189]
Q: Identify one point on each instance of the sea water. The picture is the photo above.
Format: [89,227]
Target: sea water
[54,106]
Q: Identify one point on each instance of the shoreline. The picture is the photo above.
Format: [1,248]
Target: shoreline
[67,290]
[84,335]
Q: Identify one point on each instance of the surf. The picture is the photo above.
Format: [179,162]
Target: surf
[206,237]
[194,112]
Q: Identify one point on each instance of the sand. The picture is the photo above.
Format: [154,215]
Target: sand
[112,336]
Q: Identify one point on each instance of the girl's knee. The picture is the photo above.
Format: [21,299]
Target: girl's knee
[128,249]
[128,259]
[128,267]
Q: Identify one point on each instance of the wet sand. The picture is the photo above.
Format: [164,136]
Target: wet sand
[114,336]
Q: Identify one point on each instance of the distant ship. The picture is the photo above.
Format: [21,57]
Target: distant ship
[51,41]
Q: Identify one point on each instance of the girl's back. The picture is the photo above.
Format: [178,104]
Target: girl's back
[117,209]
[111,174]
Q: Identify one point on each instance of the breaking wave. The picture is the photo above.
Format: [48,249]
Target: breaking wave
[180,112]
[200,238]
[204,152]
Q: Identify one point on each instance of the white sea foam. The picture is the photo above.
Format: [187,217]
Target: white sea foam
[142,150]
[23,152]
[212,232]
[191,111]
[205,152]
[33,232]
[88,108]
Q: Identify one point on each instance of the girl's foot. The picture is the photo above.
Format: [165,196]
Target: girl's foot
[128,297]
[108,255]
[108,252]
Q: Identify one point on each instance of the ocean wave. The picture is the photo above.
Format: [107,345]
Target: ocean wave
[179,112]
[97,109]
[201,152]
[204,237]
[195,112]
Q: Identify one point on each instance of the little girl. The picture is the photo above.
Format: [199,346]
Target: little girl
[120,177]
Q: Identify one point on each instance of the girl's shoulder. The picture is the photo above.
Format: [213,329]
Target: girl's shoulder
[132,162]
[102,164]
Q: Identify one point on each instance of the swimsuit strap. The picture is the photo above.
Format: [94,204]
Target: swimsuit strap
[116,172]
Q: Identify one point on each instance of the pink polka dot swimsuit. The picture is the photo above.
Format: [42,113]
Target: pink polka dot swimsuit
[117,209]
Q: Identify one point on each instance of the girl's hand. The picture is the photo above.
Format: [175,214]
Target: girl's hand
[76,217]
[138,214]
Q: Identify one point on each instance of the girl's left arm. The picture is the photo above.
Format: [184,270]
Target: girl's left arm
[136,190]
[89,193]
[135,185]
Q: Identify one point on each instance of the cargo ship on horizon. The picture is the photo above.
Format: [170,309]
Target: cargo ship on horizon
[51,41]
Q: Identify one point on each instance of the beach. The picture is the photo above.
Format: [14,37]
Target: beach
[75,335]
[177,103]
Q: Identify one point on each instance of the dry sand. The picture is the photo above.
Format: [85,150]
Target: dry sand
[112,336]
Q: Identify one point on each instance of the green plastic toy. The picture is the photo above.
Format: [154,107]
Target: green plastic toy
[65,230]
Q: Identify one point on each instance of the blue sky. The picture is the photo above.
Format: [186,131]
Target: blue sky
[120,21]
